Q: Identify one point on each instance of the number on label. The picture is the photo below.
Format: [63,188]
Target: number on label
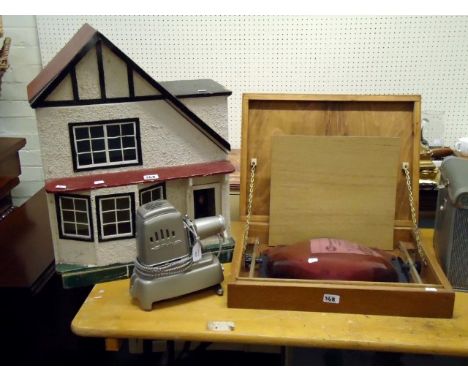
[331,298]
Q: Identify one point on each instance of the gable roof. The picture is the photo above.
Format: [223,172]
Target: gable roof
[62,59]
[195,88]
[85,39]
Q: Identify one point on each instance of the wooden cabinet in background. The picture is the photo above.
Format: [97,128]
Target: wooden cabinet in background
[10,170]
[26,251]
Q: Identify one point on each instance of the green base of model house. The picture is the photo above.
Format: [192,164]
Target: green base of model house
[74,276]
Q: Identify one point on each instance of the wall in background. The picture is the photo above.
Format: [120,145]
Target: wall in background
[425,55]
[17,119]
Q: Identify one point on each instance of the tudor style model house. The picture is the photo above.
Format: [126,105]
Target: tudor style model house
[113,138]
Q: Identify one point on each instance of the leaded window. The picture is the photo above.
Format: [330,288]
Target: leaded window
[74,217]
[152,193]
[105,144]
[116,215]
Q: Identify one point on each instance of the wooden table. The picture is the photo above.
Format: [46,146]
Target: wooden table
[109,312]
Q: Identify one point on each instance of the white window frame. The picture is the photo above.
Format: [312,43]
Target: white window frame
[150,189]
[60,210]
[131,211]
[217,193]
[108,163]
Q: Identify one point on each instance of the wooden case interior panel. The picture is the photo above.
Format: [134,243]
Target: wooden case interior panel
[341,187]
[266,115]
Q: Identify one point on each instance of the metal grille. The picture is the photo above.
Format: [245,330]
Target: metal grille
[153,205]
[459,258]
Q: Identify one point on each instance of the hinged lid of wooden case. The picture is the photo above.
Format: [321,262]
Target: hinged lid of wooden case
[265,115]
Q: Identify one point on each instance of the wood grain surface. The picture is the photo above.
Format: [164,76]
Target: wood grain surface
[267,115]
[339,187]
[109,312]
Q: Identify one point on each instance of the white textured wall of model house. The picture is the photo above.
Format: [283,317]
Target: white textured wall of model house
[17,119]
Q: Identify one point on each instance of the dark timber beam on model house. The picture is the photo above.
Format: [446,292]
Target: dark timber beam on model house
[90,45]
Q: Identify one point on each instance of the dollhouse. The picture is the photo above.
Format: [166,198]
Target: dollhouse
[112,138]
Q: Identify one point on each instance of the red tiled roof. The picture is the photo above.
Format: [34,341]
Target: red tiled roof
[114,179]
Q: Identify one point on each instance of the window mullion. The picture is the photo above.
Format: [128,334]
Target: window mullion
[75,143]
[121,144]
[106,144]
[116,219]
[88,220]
[61,215]
[74,216]
[90,140]
[101,213]
[135,143]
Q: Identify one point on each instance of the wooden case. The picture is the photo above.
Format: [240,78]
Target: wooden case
[265,115]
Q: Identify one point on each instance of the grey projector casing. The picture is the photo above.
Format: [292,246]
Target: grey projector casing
[451,224]
[164,237]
